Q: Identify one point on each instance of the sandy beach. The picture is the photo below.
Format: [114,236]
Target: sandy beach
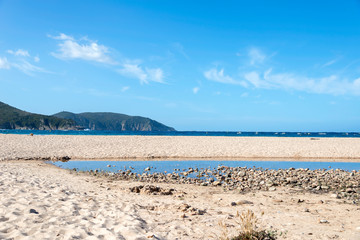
[41,201]
[179,147]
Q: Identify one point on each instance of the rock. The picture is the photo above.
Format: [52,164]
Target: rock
[216,183]
[269,184]
[241,174]
[241,202]
[109,165]
[33,211]
[233,204]
[335,196]
[323,221]
[349,190]
[272,189]
[306,210]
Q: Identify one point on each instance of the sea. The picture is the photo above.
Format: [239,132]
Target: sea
[169,166]
[188,133]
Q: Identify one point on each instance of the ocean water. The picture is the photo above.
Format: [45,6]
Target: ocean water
[190,133]
[170,166]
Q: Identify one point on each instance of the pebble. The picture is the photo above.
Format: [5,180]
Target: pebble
[323,221]
[241,202]
[33,211]
[250,179]
[335,196]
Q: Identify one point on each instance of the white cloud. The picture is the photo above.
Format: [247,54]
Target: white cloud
[329,63]
[134,70]
[36,59]
[324,85]
[218,76]
[195,90]
[124,89]
[256,56]
[62,36]
[155,74]
[28,68]
[245,94]
[4,64]
[180,49]
[84,49]
[19,52]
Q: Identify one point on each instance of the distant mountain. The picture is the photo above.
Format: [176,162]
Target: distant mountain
[13,118]
[113,122]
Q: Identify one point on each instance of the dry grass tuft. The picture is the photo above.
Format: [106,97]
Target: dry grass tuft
[246,229]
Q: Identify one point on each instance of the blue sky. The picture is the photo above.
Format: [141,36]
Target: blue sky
[192,65]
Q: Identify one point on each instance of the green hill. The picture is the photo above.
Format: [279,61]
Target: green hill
[13,118]
[113,121]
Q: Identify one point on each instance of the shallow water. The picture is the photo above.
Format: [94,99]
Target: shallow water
[170,166]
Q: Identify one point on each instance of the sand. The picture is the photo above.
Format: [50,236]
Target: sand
[179,147]
[39,201]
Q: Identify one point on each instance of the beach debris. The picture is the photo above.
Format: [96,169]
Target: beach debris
[186,208]
[153,190]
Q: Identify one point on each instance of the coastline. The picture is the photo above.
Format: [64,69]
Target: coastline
[137,148]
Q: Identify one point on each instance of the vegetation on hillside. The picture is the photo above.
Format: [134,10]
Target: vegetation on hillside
[13,118]
[114,122]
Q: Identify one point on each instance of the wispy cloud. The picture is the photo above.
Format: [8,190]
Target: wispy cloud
[90,50]
[180,49]
[219,76]
[84,49]
[20,61]
[324,85]
[124,89]
[329,63]
[264,77]
[4,64]
[144,75]
[195,90]
[19,52]
[256,56]
[28,68]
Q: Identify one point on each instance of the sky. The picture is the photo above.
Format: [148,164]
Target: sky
[192,65]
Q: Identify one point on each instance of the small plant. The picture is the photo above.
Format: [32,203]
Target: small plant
[246,229]
[247,222]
